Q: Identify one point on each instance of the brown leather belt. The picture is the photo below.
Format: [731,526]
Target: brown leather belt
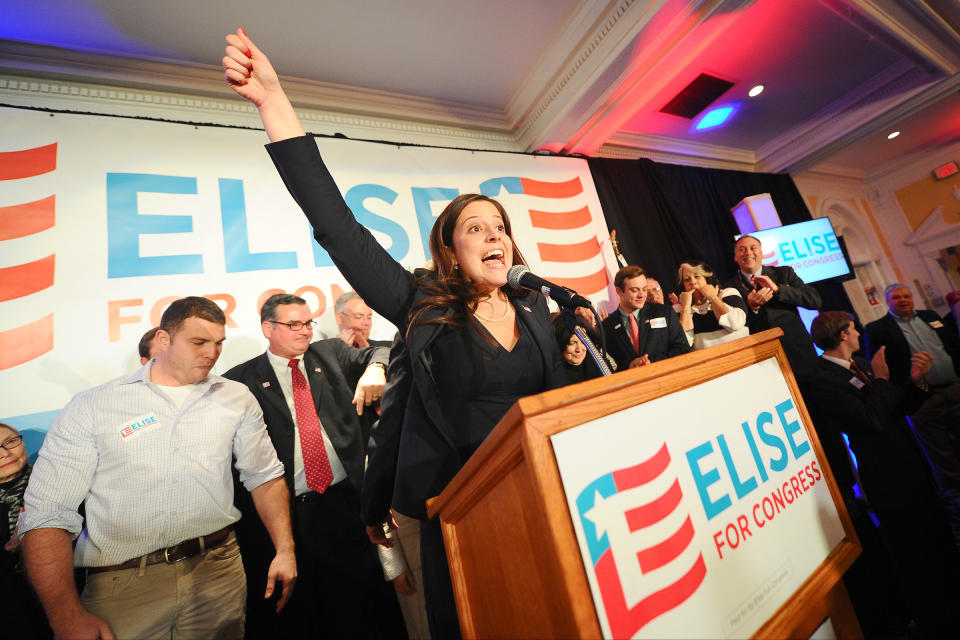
[174,554]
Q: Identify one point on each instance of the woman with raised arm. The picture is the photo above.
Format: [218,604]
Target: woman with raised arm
[475,345]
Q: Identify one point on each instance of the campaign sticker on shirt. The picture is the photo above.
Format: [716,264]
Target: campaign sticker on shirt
[936,324]
[132,427]
[658,323]
[857,382]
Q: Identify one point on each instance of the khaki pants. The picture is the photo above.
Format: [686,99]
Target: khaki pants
[200,597]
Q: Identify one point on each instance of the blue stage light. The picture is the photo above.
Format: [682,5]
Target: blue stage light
[716,117]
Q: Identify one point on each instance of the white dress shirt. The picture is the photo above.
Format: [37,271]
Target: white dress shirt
[152,474]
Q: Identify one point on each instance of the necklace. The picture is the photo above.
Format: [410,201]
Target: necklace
[506,310]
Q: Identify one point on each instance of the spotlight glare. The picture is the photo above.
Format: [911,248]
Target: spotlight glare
[716,117]
[757,90]
[892,135]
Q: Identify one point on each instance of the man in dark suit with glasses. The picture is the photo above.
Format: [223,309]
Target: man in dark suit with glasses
[313,414]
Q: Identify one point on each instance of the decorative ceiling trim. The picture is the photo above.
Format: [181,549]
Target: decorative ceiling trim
[133,102]
[631,153]
[827,170]
[667,50]
[557,65]
[913,28]
[37,61]
[607,36]
[912,167]
[646,144]
[897,93]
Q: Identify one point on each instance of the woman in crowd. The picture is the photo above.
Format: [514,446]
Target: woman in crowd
[578,365]
[708,315]
[475,345]
[25,618]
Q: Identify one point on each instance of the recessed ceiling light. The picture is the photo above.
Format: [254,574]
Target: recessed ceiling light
[892,135]
[757,90]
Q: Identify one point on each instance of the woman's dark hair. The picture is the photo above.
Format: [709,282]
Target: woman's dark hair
[446,287]
[563,326]
[699,267]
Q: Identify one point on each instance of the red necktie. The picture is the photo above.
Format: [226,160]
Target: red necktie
[634,333]
[861,374]
[316,464]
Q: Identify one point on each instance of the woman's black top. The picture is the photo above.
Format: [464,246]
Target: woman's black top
[479,381]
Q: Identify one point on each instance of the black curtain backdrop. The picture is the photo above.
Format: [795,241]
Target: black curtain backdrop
[665,214]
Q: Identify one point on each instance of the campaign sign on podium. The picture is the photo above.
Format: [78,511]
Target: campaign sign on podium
[706,516]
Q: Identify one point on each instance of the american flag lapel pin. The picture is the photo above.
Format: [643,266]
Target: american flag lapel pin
[266,384]
[317,370]
[527,309]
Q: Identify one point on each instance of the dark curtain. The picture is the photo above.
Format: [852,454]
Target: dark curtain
[665,214]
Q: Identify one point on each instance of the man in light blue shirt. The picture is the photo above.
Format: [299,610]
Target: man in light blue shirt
[149,454]
[907,331]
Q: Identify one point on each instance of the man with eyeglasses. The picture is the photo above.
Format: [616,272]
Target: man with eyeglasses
[150,455]
[354,320]
[305,389]
[654,290]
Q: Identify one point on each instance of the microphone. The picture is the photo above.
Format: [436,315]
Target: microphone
[520,277]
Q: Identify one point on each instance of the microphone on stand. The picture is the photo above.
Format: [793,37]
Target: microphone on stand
[520,277]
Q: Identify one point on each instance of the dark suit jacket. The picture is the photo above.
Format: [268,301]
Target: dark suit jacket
[333,369]
[886,331]
[426,456]
[658,343]
[782,312]
[892,467]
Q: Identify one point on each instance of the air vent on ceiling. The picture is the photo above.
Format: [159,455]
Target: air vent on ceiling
[697,96]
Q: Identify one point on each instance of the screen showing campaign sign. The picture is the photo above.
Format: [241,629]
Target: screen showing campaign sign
[810,247]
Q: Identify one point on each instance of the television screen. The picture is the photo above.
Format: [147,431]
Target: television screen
[811,248]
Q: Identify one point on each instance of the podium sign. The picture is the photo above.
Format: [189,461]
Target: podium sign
[698,513]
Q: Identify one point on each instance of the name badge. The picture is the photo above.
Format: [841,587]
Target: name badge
[133,427]
[658,323]
[857,382]
[936,324]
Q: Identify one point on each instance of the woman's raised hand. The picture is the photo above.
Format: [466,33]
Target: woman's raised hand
[249,73]
[247,70]
[709,291]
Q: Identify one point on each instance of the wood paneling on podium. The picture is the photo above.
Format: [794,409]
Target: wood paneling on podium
[516,565]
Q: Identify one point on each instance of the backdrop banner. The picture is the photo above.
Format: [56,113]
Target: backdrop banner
[104,221]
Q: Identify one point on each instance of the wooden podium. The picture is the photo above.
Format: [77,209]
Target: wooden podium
[517,568]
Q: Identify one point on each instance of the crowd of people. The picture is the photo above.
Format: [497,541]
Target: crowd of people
[264,502]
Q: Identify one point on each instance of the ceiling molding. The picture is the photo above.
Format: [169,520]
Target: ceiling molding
[37,61]
[613,29]
[883,119]
[629,153]
[913,167]
[560,62]
[915,29]
[833,171]
[897,93]
[668,50]
[674,151]
[81,97]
